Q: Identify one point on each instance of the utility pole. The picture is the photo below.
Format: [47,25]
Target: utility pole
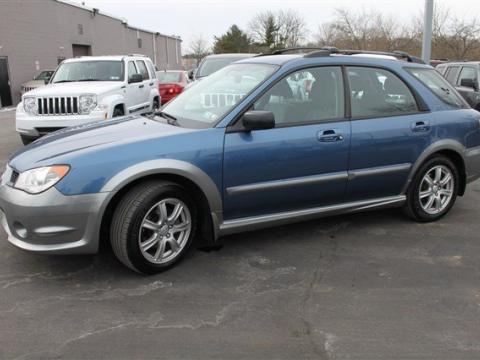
[427,31]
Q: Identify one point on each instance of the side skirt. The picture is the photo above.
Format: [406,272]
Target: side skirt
[287,217]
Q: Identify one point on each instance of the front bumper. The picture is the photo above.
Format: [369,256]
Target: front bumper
[30,125]
[51,222]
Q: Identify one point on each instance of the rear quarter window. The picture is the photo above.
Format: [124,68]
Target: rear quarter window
[439,86]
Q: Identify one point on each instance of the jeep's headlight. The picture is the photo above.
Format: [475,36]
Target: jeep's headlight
[30,105]
[35,181]
[87,103]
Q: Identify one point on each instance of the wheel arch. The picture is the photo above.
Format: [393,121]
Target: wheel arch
[451,149]
[199,186]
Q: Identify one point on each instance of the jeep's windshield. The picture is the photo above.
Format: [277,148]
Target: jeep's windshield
[89,71]
[211,65]
[206,102]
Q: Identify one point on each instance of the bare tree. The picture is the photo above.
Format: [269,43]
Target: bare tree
[263,28]
[292,28]
[198,47]
[285,28]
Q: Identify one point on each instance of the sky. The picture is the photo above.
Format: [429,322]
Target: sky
[189,19]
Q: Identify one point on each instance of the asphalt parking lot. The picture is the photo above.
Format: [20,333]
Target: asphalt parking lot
[364,286]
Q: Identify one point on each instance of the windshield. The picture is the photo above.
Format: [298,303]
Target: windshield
[205,103]
[89,71]
[44,75]
[211,65]
[169,77]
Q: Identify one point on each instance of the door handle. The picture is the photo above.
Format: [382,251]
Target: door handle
[329,136]
[421,126]
[141,86]
[151,84]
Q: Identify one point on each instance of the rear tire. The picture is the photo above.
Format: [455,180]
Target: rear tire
[153,226]
[27,139]
[433,190]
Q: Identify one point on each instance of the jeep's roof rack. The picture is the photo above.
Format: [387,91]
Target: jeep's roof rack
[312,52]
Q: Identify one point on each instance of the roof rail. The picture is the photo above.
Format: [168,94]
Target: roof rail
[142,55]
[306,50]
[311,52]
[396,53]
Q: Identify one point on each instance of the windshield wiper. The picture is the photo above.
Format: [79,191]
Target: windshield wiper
[62,81]
[89,80]
[172,120]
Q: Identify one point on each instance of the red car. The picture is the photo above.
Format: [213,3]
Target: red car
[171,83]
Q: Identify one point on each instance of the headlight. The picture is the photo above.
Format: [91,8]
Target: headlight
[30,105]
[35,181]
[87,103]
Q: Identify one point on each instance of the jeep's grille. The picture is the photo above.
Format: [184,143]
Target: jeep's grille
[58,106]
[220,99]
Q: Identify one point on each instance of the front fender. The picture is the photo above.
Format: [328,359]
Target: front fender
[173,167]
[111,101]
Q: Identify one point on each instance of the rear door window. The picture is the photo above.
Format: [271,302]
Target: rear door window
[377,92]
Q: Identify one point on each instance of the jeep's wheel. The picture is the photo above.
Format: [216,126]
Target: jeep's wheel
[118,111]
[433,190]
[27,139]
[153,226]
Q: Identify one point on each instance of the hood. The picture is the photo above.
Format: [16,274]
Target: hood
[60,145]
[34,83]
[77,88]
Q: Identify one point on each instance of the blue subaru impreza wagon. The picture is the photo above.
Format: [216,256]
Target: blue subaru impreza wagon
[267,140]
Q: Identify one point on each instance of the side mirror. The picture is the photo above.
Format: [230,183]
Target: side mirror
[258,120]
[191,74]
[470,83]
[135,78]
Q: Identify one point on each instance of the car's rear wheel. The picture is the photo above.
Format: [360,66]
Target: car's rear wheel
[153,226]
[27,139]
[433,190]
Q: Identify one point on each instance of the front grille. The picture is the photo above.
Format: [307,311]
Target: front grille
[58,105]
[220,99]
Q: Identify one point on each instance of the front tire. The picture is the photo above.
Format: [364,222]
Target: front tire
[118,111]
[153,226]
[27,139]
[433,190]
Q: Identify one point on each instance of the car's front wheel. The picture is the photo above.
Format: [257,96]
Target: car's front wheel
[27,139]
[433,190]
[153,226]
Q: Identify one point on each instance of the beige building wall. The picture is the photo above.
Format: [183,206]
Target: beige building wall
[36,34]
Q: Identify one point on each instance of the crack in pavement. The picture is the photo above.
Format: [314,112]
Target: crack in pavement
[325,351]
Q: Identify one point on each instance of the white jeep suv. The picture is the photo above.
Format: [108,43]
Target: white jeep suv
[88,89]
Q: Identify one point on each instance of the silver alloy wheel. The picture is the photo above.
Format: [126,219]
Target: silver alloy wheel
[165,230]
[436,189]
